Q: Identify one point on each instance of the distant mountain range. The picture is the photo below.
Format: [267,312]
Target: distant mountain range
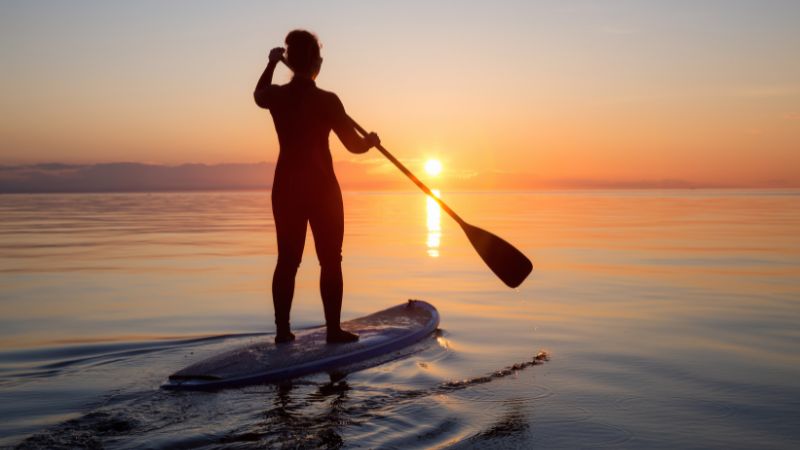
[133,177]
[361,175]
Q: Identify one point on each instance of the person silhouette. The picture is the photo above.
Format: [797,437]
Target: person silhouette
[305,189]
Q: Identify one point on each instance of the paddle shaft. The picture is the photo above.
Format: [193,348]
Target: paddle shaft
[411,176]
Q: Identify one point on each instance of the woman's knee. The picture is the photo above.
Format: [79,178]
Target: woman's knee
[331,260]
[287,264]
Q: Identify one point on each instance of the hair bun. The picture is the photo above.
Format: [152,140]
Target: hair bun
[302,49]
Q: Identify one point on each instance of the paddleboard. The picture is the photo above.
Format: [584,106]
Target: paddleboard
[380,334]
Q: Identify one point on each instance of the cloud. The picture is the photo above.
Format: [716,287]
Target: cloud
[589,183]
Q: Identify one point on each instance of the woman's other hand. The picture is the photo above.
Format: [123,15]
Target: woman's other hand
[276,54]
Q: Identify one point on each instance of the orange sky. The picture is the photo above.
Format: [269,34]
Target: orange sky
[533,93]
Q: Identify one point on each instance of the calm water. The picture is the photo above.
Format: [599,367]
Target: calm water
[672,319]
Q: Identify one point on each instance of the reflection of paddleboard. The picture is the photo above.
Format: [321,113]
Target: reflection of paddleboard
[263,362]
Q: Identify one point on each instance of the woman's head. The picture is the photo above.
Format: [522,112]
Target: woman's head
[302,53]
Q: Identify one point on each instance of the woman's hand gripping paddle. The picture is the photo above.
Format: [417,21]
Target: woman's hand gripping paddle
[508,263]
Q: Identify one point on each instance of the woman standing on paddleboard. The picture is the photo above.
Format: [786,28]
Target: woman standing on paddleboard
[305,190]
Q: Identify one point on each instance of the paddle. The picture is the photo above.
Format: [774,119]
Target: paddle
[508,263]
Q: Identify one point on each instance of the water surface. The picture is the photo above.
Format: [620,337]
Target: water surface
[670,317]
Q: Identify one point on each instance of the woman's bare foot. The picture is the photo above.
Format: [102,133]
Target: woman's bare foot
[284,337]
[340,335]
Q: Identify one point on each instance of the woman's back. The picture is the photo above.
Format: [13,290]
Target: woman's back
[304,116]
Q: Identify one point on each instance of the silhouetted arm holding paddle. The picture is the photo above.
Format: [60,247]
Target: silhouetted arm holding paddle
[344,128]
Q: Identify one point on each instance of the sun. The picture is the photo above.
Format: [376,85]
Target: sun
[433,167]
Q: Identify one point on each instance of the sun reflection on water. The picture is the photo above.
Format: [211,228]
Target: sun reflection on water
[434,225]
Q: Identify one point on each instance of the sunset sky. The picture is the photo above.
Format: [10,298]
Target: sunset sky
[536,92]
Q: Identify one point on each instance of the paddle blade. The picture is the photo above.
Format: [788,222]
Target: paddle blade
[508,263]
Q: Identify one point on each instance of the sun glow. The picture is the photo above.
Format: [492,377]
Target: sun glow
[433,167]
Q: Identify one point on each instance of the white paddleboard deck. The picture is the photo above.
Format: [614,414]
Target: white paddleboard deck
[380,333]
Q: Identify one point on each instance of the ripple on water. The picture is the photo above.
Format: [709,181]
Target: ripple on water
[307,413]
[584,434]
[524,425]
[507,391]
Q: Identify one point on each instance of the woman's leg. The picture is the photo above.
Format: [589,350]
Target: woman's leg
[290,228]
[327,225]
[331,286]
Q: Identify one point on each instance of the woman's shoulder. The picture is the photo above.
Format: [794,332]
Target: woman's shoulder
[330,97]
[327,94]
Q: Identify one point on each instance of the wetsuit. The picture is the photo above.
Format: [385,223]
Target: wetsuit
[305,190]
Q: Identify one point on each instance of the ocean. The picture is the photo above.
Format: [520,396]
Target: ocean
[671,319]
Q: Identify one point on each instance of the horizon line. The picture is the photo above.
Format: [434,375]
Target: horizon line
[129,176]
[411,190]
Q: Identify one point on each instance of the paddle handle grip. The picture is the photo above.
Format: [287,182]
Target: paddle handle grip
[410,175]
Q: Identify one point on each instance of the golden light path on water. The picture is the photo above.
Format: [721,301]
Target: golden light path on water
[434,224]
